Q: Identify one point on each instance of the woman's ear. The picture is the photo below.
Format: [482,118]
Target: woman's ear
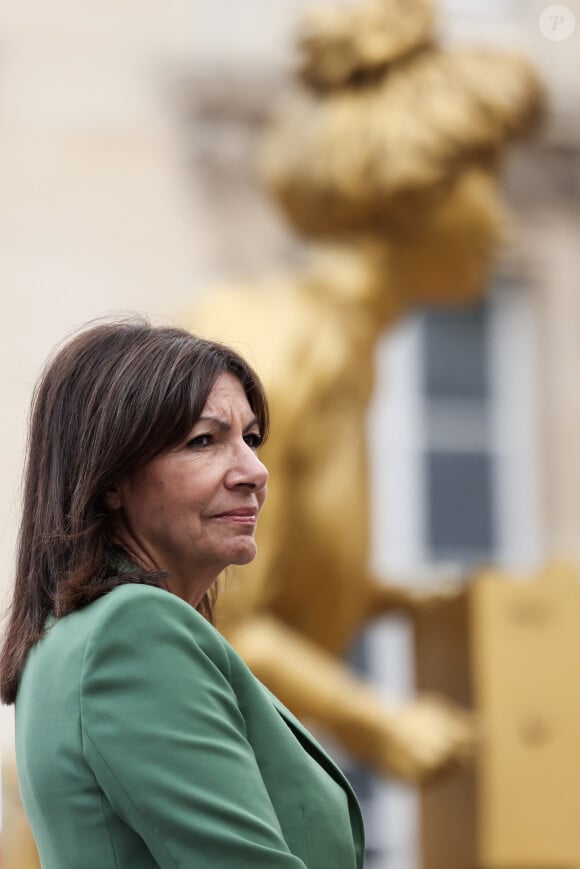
[112,499]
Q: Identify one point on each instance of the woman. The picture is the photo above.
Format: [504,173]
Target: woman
[142,739]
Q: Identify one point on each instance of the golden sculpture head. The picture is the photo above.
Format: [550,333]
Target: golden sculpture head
[391,138]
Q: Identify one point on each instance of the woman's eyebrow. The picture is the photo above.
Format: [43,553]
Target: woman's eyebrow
[254,422]
[219,423]
[225,426]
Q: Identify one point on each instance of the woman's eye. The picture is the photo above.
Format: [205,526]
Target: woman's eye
[253,440]
[202,440]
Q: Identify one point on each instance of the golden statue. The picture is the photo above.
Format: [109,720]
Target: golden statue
[386,154]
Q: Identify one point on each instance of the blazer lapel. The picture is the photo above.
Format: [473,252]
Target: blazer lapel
[319,754]
[312,746]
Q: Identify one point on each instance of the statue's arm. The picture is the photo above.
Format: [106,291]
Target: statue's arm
[385,597]
[412,741]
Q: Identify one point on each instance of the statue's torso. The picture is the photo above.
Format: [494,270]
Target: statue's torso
[313,533]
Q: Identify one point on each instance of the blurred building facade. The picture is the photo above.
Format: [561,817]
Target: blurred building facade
[128,142]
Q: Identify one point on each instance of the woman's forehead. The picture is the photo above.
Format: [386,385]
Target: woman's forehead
[227,396]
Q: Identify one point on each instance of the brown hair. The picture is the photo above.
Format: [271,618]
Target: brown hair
[113,397]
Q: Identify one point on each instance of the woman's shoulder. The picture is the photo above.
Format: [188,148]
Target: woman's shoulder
[136,603]
[148,634]
[138,611]
[135,614]
[133,624]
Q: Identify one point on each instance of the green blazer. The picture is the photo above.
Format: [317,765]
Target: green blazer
[143,740]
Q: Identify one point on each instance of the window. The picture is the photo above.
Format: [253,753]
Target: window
[454,455]
[458,460]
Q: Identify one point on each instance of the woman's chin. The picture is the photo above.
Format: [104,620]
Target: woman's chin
[244,551]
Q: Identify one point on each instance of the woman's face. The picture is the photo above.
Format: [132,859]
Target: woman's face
[193,509]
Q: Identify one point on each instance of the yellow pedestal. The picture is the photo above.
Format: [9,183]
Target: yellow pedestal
[511,651]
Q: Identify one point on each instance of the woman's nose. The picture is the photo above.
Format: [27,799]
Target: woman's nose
[248,470]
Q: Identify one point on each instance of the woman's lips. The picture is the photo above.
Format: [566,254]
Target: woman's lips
[241,516]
